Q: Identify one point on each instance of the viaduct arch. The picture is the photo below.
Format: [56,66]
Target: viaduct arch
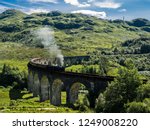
[42,82]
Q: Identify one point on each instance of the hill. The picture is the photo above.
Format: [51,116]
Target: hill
[71,30]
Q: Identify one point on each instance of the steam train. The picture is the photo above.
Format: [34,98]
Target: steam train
[51,65]
[56,68]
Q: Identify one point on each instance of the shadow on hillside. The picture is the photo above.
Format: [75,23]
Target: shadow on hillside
[15,94]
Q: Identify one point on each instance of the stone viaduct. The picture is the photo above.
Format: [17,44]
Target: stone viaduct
[47,82]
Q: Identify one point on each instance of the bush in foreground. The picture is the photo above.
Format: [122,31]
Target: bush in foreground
[137,107]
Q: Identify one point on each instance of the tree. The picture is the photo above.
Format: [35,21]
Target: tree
[143,92]
[139,22]
[83,105]
[145,48]
[100,103]
[6,70]
[47,21]
[10,75]
[137,107]
[123,89]
[103,65]
[102,61]
[54,13]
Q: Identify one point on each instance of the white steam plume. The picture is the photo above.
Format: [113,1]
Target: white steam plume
[46,36]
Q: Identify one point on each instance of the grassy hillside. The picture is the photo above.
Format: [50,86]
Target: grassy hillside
[71,30]
[75,34]
[108,42]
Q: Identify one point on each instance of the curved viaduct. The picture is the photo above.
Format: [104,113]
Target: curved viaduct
[42,82]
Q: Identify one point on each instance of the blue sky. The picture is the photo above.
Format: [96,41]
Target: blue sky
[110,9]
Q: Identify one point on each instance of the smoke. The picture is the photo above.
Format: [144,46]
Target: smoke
[46,37]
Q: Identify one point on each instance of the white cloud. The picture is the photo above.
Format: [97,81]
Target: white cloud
[98,3]
[107,4]
[91,13]
[77,3]
[30,11]
[3,8]
[91,1]
[49,1]
[122,10]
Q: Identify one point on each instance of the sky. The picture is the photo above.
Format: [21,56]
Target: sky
[107,9]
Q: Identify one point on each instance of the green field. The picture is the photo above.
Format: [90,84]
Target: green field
[27,103]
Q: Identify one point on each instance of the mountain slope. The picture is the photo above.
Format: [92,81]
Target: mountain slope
[76,32]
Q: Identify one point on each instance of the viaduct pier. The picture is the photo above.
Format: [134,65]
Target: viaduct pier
[48,82]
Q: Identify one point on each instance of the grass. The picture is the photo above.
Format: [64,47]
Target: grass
[112,71]
[21,65]
[16,51]
[72,41]
[28,104]
[63,98]
[4,98]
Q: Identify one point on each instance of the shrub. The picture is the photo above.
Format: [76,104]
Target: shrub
[54,13]
[137,107]
[11,28]
[83,108]
[10,75]
[147,29]
[100,103]
[123,89]
[143,92]
[145,48]
[147,102]
[12,103]
[82,105]
[140,22]
[67,25]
